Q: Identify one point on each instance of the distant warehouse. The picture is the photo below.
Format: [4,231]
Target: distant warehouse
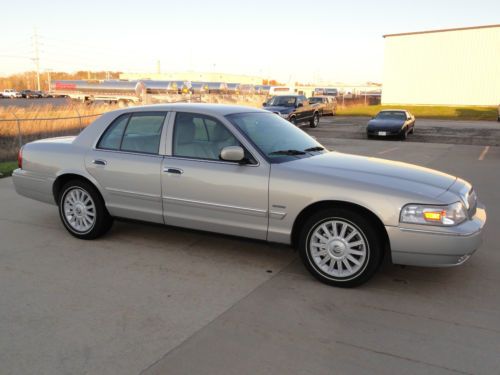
[443,67]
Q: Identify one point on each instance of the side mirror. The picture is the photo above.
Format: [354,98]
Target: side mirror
[300,105]
[264,104]
[232,153]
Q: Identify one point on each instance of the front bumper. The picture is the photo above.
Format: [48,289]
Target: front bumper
[388,132]
[418,245]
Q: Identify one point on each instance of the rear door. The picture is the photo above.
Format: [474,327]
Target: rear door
[127,164]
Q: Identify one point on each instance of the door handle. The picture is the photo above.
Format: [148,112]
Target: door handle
[173,170]
[99,162]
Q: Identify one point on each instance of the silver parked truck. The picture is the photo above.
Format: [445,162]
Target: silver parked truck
[250,173]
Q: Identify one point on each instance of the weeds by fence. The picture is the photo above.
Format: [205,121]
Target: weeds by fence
[19,126]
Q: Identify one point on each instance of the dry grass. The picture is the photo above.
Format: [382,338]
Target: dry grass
[437,112]
[38,122]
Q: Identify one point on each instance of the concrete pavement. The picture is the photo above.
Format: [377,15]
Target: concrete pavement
[156,300]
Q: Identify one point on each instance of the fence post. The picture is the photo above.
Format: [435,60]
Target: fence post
[19,134]
[79,118]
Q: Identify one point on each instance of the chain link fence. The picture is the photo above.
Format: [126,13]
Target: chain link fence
[17,129]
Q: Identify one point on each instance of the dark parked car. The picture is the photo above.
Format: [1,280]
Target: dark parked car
[294,108]
[391,123]
[31,94]
[327,105]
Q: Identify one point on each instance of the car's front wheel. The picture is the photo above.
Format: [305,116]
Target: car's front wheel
[314,121]
[340,247]
[82,210]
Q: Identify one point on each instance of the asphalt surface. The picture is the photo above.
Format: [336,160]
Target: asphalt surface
[426,130]
[156,300]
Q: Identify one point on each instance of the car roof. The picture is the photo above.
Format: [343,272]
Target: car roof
[393,110]
[206,108]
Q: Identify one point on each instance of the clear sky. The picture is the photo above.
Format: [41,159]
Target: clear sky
[320,40]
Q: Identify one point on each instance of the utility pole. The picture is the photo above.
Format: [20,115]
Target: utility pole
[36,59]
[48,79]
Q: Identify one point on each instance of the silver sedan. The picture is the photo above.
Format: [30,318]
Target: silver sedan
[249,173]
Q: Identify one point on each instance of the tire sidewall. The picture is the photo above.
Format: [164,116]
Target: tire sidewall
[102,221]
[367,231]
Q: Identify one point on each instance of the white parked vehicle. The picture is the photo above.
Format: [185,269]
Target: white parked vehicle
[10,93]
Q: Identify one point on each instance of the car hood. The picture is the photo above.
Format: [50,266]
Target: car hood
[280,109]
[386,123]
[386,173]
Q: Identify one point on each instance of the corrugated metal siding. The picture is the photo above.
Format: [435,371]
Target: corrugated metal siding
[459,67]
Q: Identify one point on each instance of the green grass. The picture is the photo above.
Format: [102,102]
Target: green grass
[6,168]
[438,112]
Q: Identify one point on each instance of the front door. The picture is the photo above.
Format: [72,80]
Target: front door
[127,165]
[200,191]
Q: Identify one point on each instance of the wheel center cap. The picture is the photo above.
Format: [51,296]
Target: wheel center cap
[336,248]
[79,210]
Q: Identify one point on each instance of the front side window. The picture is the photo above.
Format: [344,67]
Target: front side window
[201,137]
[139,132]
[275,137]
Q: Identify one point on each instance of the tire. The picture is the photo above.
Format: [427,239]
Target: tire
[412,130]
[293,120]
[348,269]
[403,135]
[314,121]
[80,200]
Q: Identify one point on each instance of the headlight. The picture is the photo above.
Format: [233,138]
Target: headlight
[452,214]
[284,115]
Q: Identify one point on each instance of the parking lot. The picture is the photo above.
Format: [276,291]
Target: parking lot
[156,300]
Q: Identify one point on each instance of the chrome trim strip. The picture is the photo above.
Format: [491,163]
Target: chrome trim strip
[217,206]
[450,234]
[134,194]
[277,215]
[213,161]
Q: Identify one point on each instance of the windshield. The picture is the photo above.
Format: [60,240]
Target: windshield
[315,100]
[275,137]
[282,101]
[391,115]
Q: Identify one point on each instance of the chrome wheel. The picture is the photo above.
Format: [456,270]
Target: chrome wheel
[79,210]
[316,120]
[338,248]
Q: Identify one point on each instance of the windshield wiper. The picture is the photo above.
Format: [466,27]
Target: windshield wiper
[287,152]
[316,148]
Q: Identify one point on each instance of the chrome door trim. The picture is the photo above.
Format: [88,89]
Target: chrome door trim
[217,206]
[211,161]
[134,194]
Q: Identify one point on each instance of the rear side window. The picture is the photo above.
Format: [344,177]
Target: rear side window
[139,132]
[112,138]
[143,133]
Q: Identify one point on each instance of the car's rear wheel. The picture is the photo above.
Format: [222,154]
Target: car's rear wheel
[82,210]
[340,247]
[314,121]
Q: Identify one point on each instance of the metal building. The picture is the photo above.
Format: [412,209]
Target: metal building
[443,67]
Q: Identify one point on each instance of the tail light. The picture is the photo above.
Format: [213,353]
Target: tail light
[20,158]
